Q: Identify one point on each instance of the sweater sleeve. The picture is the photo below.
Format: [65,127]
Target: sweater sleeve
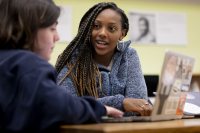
[135,85]
[125,80]
[114,101]
[41,102]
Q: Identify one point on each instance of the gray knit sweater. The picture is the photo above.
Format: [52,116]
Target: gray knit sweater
[125,79]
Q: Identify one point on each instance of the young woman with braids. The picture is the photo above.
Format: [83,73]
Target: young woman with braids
[30,99]
[97,63]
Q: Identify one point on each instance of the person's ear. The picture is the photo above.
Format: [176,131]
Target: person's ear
[123,34]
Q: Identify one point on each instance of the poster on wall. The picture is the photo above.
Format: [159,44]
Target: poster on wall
[163,28]
[65,24]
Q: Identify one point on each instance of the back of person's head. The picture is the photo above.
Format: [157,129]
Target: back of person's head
[21,19]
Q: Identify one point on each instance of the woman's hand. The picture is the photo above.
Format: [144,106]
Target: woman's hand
[113,112]
[137,105]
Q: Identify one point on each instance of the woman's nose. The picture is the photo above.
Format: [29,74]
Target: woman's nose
[103,32]
[56,37]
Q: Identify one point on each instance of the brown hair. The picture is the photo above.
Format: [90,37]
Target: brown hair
[21,19]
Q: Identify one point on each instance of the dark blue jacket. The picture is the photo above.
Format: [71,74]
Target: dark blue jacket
[30,100]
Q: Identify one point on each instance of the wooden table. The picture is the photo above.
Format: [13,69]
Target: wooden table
[173,126]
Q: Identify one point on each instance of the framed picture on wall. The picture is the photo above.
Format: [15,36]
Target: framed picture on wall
[163,28]
[142,27]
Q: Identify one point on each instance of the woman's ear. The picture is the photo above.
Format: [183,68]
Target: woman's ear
[123,34]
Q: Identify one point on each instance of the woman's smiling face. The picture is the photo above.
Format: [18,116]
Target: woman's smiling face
[107,31]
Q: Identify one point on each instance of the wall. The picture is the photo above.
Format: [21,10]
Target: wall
[151,56]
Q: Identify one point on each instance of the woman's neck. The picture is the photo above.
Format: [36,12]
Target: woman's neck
[103,59]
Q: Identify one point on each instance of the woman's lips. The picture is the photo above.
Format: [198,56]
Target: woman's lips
[101,44]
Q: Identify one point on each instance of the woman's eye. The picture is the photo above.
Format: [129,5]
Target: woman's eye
[96,26]
[112,29]
[53,29]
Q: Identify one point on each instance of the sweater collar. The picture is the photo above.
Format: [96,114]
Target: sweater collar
[123,45]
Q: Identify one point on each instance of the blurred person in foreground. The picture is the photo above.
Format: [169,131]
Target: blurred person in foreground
[30,100]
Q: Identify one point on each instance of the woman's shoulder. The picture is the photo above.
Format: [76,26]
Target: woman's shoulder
[29,57]
[126,51]
[19,54]
[129,50]
[25,60]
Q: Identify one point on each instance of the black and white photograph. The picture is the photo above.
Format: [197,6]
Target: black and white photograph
[161,28]
[142,27]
